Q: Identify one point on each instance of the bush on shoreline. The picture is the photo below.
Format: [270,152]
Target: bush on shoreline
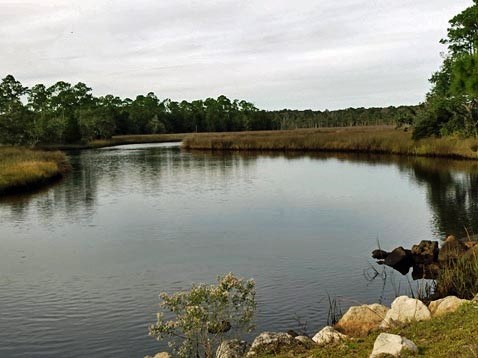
[201,318]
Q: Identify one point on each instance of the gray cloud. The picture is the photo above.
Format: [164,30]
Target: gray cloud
[296,54]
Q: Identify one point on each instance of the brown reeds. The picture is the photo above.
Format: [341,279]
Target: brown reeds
[23,169]
[374,139]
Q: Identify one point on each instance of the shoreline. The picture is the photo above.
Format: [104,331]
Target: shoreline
[437,330]
[375,140]
[24,170]
[118,140]
[366,140]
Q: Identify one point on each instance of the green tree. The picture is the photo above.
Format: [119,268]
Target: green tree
[11,92]
[464,85]
[95,123]
[17,123]
[463,32]
[451,105]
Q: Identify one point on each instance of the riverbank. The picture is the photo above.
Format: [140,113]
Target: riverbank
[118,140]
[24,169]
[451,335]
[373,139]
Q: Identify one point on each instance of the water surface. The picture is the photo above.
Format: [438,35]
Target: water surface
[82,262]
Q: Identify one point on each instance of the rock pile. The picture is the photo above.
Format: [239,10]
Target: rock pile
[427,257]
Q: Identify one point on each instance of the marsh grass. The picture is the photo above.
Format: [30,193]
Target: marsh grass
[24,169]
[459,278]
[373,139]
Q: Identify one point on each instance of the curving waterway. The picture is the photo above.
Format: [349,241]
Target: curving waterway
[82,262]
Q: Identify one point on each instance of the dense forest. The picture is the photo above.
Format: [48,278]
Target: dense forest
[65,113]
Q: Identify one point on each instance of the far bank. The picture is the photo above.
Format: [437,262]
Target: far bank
[371,139]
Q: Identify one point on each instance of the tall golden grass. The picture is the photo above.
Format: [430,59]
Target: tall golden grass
[23,169]
[373,139]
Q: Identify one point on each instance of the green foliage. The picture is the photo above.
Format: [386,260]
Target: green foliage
[463,32]
[464,80]
[202,317]
[95,123]
[66,113]
[442,116]
[452,104]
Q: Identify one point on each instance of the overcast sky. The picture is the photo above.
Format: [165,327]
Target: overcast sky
[276,53]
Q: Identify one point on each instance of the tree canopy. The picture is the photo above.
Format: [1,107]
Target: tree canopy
[451,107]
[70,113]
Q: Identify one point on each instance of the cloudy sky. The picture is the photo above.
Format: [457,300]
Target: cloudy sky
[276,53]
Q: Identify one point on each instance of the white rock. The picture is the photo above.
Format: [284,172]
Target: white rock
[328,335]
[233,348]
[360,320]
[392,344]
[405,310]
[445,305]
[270,343]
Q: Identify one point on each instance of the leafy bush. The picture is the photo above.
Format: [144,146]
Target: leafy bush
[202,317]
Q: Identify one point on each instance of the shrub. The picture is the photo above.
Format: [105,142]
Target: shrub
[202,317]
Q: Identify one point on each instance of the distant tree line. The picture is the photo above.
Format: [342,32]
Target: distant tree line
[451,107]
[291,119]
[66,113]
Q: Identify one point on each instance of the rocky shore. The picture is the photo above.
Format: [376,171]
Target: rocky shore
[426,258]
[358,323]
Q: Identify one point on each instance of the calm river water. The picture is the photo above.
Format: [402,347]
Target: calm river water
[82,262]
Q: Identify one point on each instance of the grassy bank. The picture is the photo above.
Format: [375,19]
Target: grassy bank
[23,169]
[376,139]
[452,335]
[120,140]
